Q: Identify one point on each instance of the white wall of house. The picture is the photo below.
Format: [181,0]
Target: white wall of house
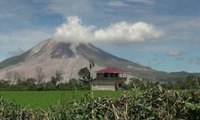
[103,85]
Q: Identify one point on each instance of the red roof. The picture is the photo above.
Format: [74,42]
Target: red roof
[111,70]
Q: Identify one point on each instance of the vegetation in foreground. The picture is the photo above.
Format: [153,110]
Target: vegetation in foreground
[152,103]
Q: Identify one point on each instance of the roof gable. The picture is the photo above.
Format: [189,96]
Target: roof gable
[111,70]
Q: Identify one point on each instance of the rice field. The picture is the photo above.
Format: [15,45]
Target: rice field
[43,99]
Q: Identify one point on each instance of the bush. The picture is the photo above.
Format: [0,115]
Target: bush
[30,84]
[189,83]
[153,103]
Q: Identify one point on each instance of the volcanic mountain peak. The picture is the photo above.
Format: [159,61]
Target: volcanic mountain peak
[52,49]
[51,56]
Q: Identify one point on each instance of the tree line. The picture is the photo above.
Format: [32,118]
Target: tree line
[83,83]
[16,81]
[191,82]
[55,82]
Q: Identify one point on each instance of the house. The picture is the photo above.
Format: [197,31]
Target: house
[109,79]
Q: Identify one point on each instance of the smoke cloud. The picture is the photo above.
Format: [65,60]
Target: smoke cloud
[119,33]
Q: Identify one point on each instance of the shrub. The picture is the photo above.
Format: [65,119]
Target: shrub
[153,103]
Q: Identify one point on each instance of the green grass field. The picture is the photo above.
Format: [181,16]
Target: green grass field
[43,99]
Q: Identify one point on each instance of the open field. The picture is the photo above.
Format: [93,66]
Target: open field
[43,99]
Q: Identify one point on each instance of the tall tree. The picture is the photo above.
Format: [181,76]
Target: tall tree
[84,73]
[39,75]
[91,65]
[57,78]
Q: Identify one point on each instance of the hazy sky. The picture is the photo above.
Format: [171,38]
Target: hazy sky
[162,34]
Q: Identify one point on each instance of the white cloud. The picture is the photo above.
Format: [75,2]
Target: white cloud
[117,4]
[120,33]
[24,39]
[74,31]
[150,2]
[123,32]
[175,53]
[69,7]
[18,11]
[16,52]
[198,60]
[184,29]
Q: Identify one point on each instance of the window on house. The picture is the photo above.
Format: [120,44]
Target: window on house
[105,74]
[100,75]
[111,75]
[116,75]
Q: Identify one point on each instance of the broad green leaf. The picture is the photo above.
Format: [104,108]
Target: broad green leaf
[160,88]
[190,105]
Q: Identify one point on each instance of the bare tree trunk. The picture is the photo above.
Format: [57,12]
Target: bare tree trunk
[39,75]
[198,81]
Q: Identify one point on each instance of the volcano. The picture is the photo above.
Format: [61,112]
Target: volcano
[51,56]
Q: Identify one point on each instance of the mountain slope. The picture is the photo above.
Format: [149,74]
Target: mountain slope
[52,56]
[13,60]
